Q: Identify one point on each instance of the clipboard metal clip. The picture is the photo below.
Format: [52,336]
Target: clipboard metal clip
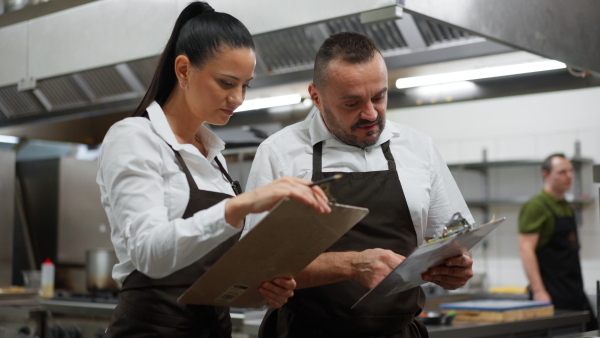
[327,190]
[456,225]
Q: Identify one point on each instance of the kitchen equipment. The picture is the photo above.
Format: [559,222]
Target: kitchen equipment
[498,310]
[98,270]
[437,318]
[32,279]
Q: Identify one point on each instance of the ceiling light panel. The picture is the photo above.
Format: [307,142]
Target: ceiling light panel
[479,73]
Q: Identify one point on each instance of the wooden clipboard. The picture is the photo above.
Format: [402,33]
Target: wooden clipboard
[407,275]
[291,236]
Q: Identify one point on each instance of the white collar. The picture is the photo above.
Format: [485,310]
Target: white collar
[211,142]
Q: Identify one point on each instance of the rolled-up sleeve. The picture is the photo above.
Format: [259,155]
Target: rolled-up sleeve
[266,167]
[446,198]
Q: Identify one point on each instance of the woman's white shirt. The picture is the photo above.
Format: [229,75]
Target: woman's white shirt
[145,193]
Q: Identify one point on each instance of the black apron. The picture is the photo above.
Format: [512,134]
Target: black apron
[325,311]
[148,307]
[560,267]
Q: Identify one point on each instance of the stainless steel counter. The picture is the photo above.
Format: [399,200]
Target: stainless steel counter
[563,323]
[68,307]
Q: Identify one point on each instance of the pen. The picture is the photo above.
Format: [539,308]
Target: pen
[325,180]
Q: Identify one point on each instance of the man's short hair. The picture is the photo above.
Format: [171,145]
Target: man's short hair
[547,164]
[351,47]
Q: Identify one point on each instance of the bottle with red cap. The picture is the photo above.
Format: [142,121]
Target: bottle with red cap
[47,279]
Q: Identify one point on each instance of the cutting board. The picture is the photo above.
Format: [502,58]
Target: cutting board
[498,310]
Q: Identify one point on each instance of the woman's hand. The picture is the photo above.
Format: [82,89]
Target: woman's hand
[277,292]
[265,198]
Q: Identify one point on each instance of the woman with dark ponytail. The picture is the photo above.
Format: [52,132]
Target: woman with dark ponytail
[172,206]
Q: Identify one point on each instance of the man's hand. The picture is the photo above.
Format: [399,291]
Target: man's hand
[277,292]
[542,296]
[454,273]
[371,266]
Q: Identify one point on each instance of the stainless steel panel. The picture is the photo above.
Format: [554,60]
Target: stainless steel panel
[61,93]
[99,34]
[287,14]
[82,222]
[563,30]
[7,207]
[144,69]
[13,53]
[19,104]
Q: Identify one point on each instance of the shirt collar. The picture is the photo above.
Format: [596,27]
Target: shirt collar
[552,198]
[160,124]
[318,131]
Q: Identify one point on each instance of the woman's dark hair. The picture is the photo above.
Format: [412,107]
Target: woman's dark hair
[351,47]
[199,32]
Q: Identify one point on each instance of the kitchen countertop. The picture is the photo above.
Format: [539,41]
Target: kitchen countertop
[562,323]
[69,307]
[105,310]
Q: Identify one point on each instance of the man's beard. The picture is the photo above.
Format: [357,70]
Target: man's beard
[347,136]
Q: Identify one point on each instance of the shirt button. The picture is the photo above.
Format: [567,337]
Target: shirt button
[367,150]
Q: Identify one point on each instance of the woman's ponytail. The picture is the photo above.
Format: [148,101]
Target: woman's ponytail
[164,76]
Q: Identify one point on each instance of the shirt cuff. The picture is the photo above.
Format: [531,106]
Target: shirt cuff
[214,220]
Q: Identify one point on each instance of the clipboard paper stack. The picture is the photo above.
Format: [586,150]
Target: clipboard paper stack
[291,236]
[408,274]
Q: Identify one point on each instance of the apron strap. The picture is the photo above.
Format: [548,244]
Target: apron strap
[385,147]
[185,169]
[317,154]
[235,185]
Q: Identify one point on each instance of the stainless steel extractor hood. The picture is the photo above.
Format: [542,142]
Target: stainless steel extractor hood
[98,57]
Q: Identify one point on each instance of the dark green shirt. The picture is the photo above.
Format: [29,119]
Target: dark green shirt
[536,216]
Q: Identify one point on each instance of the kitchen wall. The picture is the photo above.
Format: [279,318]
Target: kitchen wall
[527,127]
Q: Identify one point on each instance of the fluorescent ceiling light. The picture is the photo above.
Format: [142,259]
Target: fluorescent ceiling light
[270,102]
[9,139]
[481,73]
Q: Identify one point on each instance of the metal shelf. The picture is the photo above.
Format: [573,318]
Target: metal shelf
[484,166]
[509,163]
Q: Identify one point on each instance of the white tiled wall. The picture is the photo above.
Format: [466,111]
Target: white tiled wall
[513,128]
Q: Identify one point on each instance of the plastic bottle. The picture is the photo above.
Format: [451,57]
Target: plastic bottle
[47,279]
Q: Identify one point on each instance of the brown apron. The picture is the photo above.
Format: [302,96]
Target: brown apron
[325,311]
[148,307]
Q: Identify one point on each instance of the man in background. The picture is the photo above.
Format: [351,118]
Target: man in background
[548,242]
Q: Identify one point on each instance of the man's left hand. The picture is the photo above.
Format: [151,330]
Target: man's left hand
[277,292]
[454,273]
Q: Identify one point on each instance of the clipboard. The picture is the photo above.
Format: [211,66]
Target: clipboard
[283,243]
[407,275]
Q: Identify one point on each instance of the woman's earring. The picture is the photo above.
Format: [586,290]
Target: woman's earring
[183,85]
